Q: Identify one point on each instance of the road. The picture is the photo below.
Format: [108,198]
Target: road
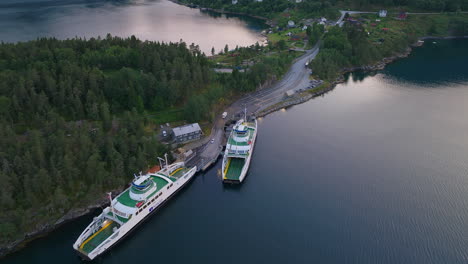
[343,13]
[296,78]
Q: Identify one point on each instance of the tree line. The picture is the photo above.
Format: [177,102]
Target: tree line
[268,8]
[350,46]
[74,123]
[70,119]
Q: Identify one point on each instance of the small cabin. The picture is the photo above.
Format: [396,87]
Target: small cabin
[402,16]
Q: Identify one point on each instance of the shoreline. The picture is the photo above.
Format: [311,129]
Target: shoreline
[219,11]
[45,229]
[379,65]
[306,96]
[446,37]
[75,213]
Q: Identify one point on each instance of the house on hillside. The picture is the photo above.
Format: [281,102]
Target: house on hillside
[383,13]
[295,38]
[402,16]
[291,24]
[234,2]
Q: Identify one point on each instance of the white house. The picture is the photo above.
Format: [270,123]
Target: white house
[383,13]
[291,23]
[298,1]
[234,2]
[258,1]
[304,28]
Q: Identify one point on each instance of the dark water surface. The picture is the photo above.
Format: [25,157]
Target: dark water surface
[376,171]
[158,20]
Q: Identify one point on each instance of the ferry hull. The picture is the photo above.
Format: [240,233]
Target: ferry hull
[130,227]
[246,166]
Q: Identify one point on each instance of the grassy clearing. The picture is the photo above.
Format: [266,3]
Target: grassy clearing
[379,29]
[281,35]
[167,116]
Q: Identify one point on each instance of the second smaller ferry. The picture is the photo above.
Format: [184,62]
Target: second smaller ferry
[239,150]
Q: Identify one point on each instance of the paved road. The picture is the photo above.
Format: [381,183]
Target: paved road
[343,13]
[296,78]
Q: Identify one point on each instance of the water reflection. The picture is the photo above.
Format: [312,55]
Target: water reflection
[158,20]
[374,172]
[428,68]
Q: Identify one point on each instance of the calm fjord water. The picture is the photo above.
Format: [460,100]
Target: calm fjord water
[158,20]
[376,171]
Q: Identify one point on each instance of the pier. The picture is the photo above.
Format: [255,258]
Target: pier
[258,103]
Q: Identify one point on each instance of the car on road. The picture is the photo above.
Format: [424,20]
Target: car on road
[212,141]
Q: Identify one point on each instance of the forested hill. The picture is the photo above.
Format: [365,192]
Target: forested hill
[268,8]
[70,120]
[77,116]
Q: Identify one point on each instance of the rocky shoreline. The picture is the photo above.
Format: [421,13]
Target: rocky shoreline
[220,11]
[306,96]
[447,37]
[47,228]
[298,99]
[380,65]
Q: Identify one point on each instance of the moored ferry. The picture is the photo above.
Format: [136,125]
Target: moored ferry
[239,150]
[146,194]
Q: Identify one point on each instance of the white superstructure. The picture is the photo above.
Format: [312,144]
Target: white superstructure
[146,194]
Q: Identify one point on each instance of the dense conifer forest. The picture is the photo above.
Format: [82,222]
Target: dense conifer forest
[354,45]
[268,8]
[75,122]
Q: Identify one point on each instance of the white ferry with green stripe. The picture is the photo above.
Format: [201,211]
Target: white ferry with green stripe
[239,150]
[146,194]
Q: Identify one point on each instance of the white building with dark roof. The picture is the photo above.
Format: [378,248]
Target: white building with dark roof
[187,133]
